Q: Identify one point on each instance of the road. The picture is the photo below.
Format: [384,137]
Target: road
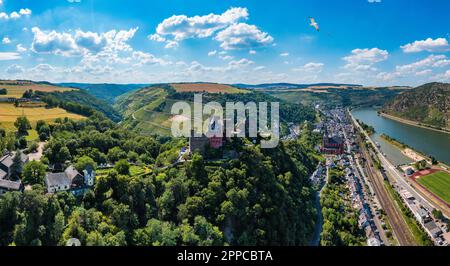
[399,227]
[393,172]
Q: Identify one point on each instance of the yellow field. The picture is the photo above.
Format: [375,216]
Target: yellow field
[9,113]
[16,88]
[206,87]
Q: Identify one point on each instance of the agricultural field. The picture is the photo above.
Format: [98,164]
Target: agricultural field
[9,113]
[17,88]
[206,87]
[438,183]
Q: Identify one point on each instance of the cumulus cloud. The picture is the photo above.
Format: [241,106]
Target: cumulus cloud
[156,37]
[212,53]
[311,67]
[15,69]
[80,43]
[432,61]
[15,14]
[243,36]
[364,59]
[146,58]
[422,67]
[429,45]
[53,42]
[6,40]
[4,56]
[171,45]
[20,48]
[284,54]
[182,27]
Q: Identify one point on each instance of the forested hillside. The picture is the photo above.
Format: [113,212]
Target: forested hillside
[106,92]
[263,197]
[148,110]
[428,104]
[78,99]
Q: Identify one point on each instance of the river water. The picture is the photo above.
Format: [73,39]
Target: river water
[429,142]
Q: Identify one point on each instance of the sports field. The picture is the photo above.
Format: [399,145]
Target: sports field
[438,183]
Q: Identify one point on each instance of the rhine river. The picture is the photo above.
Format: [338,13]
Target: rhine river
[429,142]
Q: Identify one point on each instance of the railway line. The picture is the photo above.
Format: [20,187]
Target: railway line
[399,227]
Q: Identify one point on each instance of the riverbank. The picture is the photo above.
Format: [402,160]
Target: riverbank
[413,123]
[413,154]
[406,150]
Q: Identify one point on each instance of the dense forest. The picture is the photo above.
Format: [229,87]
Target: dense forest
[340,226]
[79,102]
[262,197]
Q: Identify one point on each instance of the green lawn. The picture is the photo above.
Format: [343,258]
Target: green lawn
[438,183]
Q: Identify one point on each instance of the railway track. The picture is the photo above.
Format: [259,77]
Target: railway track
[399,227]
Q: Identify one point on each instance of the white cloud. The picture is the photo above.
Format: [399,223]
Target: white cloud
[181,27]
[81,43]
[156,37]
[20,48]
[252,52]
[311,67]
[422,67]
[53,42]
[432,61]
[374,1]
[171,45]
[146,58]
[6,40]
[15,69]
[364,59]
[4,56]
[15,14]
[443,76]
[226,57]
[429,45]
[91,41]
[212,53]
[243,36]
[25,12]
[284,54]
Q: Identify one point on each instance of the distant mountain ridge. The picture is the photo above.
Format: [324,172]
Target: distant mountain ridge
[427,104]
[291,85]
[105,91]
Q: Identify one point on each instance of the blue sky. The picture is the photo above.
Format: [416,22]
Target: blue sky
[370,42]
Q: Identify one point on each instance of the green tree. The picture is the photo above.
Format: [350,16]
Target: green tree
[34,173]
[115,154]
[84,162]
[17,166]
[122,167]
[23,125]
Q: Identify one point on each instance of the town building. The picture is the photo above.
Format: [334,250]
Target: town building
[8,186]
[214,137]
[6,163]
[70,180]
[333,145]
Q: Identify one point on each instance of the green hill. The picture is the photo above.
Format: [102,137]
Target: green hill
[148,109]
[427,104]
[107,92]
